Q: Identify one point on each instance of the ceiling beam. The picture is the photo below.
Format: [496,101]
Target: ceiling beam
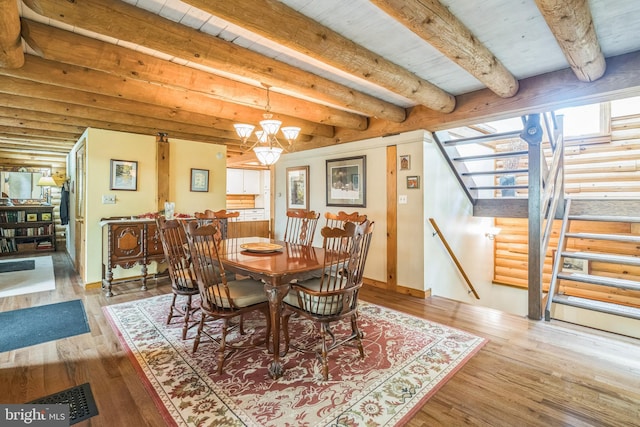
[57,135]
[280,23]
[11,54]
[39,125]
[27,88]
[434,23]
[571,24]
[126,22]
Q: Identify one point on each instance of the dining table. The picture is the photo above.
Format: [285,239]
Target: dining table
[276,263]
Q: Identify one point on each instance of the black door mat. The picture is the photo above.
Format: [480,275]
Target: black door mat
[80,400]
[9,266]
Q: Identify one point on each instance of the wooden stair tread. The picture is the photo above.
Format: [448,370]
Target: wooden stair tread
[603,307]
[615,259]
[615,237]
[601,280]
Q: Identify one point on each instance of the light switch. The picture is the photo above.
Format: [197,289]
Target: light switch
[402,199]
[108,199]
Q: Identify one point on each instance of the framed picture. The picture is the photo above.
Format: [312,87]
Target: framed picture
[124,175]
[346,182]
[575,265]
[32,217]
[405,162]
[298,188]
[413,182]
[45,216]
[200,180]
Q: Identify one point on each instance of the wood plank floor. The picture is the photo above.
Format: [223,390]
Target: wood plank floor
[529,374]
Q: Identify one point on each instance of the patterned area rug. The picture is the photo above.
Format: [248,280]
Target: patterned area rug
[406,360]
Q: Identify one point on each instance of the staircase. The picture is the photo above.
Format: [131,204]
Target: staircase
[610,281]
[598,250]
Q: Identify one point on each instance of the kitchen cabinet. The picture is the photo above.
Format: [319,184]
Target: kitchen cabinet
[243,181]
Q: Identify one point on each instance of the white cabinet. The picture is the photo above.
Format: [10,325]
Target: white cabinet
[243,181]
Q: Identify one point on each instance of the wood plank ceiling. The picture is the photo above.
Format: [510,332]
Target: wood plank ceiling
[341,70]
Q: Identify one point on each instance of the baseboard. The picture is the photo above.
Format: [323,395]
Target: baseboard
[418,293]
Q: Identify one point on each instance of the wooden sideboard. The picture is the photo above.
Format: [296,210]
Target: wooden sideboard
[127,243]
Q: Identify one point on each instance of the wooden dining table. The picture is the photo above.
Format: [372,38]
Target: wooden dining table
[276,267]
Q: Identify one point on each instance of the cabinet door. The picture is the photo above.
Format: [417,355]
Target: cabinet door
[235,180]
[251,181]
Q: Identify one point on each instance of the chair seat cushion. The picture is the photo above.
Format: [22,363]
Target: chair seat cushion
[324,306]
[244,293]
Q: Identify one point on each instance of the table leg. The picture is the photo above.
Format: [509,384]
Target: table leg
[275,293]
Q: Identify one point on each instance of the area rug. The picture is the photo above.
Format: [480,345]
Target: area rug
[407,360]
[40,279]
[35,325]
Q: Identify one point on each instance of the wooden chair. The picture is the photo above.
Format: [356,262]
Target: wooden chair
[183,282]
[300,227]
[221,299]
[333,296]
[339,219]
[223,216]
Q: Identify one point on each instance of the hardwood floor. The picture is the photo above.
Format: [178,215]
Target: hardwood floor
[530,373]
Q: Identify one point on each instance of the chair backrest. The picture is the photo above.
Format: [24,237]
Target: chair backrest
[203,246]
[223,218]
[341,218]
[174,245]
[301,225]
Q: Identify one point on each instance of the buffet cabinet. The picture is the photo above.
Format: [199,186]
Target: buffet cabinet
[26,229]
[127,243]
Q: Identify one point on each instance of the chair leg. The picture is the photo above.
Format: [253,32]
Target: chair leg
[357,334]
[196,342]
[187,315]
[241,323]
[173,304]
[223,342]
[324,352]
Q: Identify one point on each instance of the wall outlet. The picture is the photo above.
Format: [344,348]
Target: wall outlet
[402,199]
[108,199]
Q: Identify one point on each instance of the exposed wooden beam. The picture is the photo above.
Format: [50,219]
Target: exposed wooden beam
[130,72]
[28,88]
[571,23]
[39,125]
[278,22]
[11,54]
[126,22]
[64,136]
[433,22]
[545,92]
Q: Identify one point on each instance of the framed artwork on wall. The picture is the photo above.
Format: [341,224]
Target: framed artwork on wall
[298,188]
[200,180]
[346,182]
[124,175]
[413,182]
[405,162]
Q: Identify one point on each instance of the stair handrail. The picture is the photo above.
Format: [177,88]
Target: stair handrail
[557,262]
[453,257]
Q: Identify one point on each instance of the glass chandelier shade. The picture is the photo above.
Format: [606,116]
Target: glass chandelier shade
[267,147]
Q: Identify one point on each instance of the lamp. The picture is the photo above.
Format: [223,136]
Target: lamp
[492,232]
[47,182]
[267,147]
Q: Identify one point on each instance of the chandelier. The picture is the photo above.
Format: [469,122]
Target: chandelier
[267,147]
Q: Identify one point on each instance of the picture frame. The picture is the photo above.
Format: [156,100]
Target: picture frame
[298,188]
[575,265]
[413,182]
[346,181]
[405,162]
[31,217]
[124,175]
[45,216]
[200,180]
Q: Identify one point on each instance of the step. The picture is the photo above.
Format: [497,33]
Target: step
[601,280]
[491,156]
[614,259]
[612,237]
[603,307]
[498,172]
[500,187]
[483,138]
[605,218]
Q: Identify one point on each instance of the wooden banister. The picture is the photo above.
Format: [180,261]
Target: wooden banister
[453,257]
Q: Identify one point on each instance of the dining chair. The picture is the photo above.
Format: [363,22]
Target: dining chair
[339,219]
[333,296]
[221,299]
[183,282]
[301,225]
